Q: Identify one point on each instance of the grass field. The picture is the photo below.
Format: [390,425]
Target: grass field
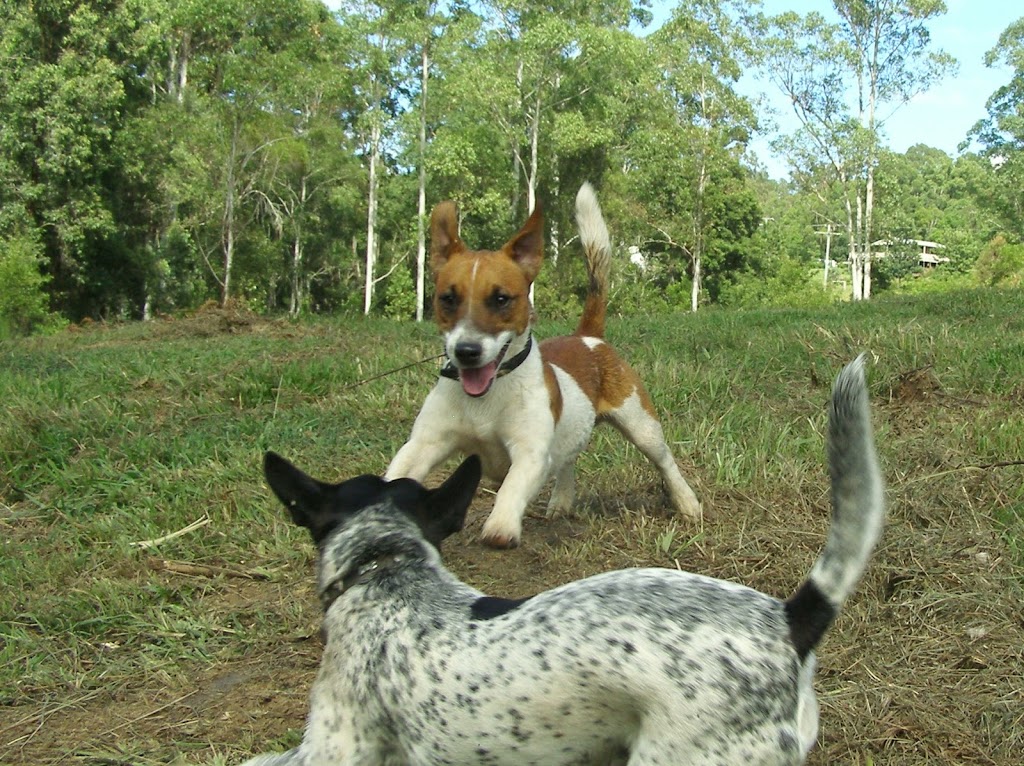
[200,648]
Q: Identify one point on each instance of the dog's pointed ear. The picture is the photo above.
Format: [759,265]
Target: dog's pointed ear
[445,507]
[307,500]
[444,234]
[527,247]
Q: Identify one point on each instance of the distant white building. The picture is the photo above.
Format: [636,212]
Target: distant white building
[926,255]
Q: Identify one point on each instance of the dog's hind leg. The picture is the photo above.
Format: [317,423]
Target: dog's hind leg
[564,491]
[637,424]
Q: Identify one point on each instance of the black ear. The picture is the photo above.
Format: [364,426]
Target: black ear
[444,508]
[317,506]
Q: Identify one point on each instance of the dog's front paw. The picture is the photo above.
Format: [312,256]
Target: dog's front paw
[684,499]
[496,535]
[689,507]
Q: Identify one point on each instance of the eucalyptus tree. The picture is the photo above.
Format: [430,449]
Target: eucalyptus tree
[521,90]
[429,22]
[246,105]
[1001,133]
[683,159]
[377,60]
[316,158]
[844,80]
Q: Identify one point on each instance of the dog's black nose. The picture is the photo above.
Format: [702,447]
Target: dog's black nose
[468,353]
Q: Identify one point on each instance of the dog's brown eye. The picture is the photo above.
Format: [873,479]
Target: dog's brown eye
[499,300]
[448,300]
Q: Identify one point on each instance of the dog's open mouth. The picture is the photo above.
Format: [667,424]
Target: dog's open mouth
[476,381]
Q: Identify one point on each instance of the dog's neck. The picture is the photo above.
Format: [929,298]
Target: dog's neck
[448,370]
[357,575]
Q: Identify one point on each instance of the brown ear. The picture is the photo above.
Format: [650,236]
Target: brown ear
[444,234]
[527,247]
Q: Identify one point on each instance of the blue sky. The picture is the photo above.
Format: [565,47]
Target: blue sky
[942,116]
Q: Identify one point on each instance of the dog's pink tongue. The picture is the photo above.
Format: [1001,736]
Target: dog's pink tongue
[475,382]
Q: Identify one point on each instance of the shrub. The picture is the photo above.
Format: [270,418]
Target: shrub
[1000,264]
[400,295]
[23,301]
[789,283]
[937,280]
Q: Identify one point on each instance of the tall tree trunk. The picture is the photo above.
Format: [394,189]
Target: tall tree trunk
[229,250]
[177,67]
[828,253]
[531,181]
[869,190]
[698,233]
[851,240]
[371,217]
[695,288]
[295,300]
[421,225]
[698,212]
[297,281]
[554,192]
[228,221]
[862,245]
[186,53]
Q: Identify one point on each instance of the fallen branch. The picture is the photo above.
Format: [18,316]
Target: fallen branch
[146,544]
[958,469]
[202,570]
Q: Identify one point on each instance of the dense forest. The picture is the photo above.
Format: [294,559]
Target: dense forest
[282,154]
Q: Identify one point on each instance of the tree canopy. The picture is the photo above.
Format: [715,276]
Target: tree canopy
[157,155]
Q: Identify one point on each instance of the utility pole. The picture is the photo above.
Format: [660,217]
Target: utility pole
[826,229]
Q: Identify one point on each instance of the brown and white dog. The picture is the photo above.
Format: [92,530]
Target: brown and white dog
[526,409]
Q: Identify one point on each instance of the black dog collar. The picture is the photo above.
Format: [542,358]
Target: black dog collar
[449,370]
[357,576]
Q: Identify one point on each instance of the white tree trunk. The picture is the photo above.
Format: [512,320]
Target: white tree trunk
[862,246]
[869,206]
[295,303]
[695,288]
[186,52]
[228,221]
[371,217]
[851,239]
[698,213]
[531,181]
[421,225]
[828,253]
[298,281]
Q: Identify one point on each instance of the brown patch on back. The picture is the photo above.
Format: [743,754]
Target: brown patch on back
[602,374]
[554,392]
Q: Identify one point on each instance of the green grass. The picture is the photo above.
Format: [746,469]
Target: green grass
[111,436]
